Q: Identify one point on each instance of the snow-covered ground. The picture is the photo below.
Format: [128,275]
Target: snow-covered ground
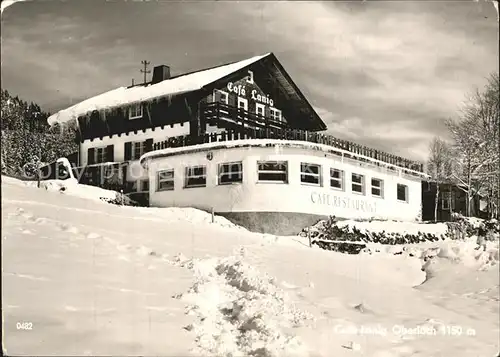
[83,277]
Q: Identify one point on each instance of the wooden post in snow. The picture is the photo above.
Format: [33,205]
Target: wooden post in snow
[213,218]
[309,236]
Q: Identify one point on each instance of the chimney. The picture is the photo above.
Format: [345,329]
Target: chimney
[160,73]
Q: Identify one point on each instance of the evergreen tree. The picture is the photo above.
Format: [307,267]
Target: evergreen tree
[27,139]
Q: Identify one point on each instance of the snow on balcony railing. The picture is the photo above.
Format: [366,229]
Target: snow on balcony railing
[359,152]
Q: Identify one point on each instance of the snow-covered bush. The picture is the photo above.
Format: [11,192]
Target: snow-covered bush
[330,234]
[472,226]
[353,236]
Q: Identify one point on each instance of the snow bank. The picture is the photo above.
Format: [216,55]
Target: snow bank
[121,301]
[188,215]
[73,188]
[240,311]
[123,95]
[473,252]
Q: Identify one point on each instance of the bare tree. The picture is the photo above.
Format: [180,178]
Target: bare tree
[476,168]
[439,166]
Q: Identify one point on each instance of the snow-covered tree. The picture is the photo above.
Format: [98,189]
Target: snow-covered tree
[439,166]
[26,134]
[475,133]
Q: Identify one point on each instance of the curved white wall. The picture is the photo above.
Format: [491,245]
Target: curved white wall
[253,196]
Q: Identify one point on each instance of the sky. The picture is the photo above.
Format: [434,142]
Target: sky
[380,73]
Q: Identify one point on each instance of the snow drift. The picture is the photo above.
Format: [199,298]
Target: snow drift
[113,280]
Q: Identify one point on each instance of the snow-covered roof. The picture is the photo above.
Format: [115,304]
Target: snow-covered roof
[123,95]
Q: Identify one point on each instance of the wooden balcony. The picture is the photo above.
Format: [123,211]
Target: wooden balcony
[225,116]
[363,153]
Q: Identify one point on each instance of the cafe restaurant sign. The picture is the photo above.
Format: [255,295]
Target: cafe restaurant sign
[343,202]
[241,91]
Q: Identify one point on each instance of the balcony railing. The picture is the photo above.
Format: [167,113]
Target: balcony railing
[362,152]
[223,115]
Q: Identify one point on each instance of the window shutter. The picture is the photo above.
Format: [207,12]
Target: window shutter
[149,145]
[128,151]
[110,157]
[90,156]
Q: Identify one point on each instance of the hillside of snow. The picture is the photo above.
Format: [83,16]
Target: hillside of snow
[84,277]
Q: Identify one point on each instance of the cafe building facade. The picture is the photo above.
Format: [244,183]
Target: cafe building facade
[240,140]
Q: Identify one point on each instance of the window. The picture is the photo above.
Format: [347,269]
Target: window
[242,103]
[445,201]
[402,192]
[196,176]
[220,95]
[272,171]
[377,187]
[100,155]
[135,111]
[358,183]
[145,185]
[260,109]
[275,114]
[230,173]
[310,173]
[138,148]
[337,179]
[165,180]
[250,77]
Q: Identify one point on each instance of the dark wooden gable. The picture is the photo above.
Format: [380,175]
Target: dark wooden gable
[246,90]
[271,78]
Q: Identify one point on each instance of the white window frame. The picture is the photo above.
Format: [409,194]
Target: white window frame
[135,111]
[223,94]
[261,107]
[260,170]
[244,101]
[102,151]
[189,174]
[381,187]
[250,77]
[230,165]
[340,179]
[142,149]
[304,173]
[362,184]
[275,114]
[160,180]
[406,192]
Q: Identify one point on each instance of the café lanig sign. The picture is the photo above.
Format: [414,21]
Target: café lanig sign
[241,91]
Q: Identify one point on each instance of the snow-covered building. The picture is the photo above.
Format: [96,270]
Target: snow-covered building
[239,139]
